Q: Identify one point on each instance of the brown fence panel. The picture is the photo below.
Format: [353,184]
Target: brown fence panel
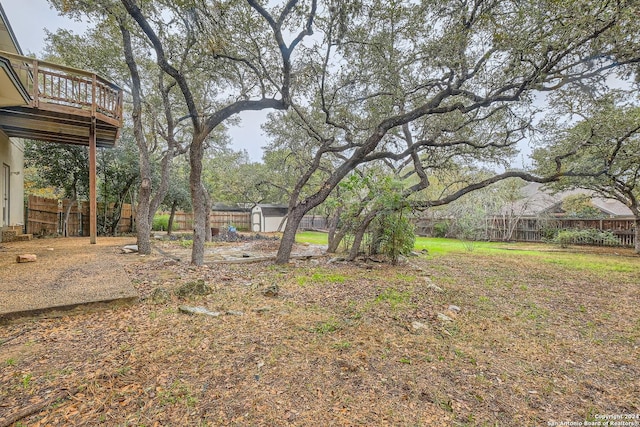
[313,222]
[183,221]
[240,220]
[530,229]
[46,217]
[42,216]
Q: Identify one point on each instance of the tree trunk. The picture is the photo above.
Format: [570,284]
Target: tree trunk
[359,236]
[207,219]
[174,207]
[143,223]
[282,222]
[334,236]
[67,214]
[198,199]
[289,236]
[334,242]
[143,220]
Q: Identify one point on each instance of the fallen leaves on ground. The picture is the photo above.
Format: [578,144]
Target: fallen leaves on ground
[340,344]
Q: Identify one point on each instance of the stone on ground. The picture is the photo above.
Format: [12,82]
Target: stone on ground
[199,287]
[129,249]
[198,310]
[26,258]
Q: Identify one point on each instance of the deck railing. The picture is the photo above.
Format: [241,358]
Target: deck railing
[59,85]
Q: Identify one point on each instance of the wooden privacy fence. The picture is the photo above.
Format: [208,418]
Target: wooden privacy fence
[313,222]
[219,219]
[240,220]
[45,217]
[539,229]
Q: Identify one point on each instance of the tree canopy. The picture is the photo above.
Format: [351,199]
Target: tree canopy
[430,84]
[419,86]
[604,146]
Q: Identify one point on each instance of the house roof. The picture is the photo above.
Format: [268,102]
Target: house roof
[12,92]
[8,40]
[274,210]
[221,207]
[536,200]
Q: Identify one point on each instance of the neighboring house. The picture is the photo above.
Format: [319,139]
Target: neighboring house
[50,103]
[268,218]
[537,201]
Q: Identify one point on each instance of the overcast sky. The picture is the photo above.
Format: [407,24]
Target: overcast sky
[29,18]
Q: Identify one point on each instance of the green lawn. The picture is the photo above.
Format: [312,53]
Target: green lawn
[435,246]
[573,257]
[313,237]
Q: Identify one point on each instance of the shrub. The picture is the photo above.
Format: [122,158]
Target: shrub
[440,229]
[161,223]
[589,236]
[397,236]
[549,234]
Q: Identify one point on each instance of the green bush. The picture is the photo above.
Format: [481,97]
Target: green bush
[397,236]
[440,229]
[549,234]
[161,223]
[589,236]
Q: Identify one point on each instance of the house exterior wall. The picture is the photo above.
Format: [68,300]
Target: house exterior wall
[11,168]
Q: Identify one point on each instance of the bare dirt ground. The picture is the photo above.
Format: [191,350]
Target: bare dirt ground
[462,339]
[67,272]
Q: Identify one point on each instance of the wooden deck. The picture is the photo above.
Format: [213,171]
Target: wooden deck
[62,104]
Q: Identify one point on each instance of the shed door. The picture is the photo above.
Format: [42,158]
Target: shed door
[6,177]
[256,222]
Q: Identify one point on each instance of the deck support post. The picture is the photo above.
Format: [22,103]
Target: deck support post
[93,203]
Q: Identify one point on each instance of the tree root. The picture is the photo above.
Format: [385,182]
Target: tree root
[37,407]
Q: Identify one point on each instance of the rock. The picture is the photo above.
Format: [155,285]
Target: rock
[454,308]
[234,313]
[26,258]
[418,325]
[160,296]
[198,310]
[444,318]
[435,287]
[129,249]
[271,291]
[198,287]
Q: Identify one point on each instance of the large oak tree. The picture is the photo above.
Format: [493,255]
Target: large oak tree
[391,81]
[606,139]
